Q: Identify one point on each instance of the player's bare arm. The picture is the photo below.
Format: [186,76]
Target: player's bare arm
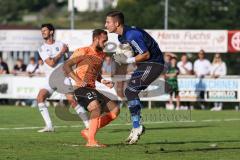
[107,83]
[68,68]
[53,61]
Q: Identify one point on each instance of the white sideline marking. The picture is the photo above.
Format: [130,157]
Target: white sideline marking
[158,122]
[231,119]
[212,120]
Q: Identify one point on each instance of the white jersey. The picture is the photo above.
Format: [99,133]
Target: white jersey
[184,68]
[202,67]
[31,67]
[50,51]
[219,69]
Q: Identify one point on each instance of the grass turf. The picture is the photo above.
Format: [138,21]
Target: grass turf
[198,135]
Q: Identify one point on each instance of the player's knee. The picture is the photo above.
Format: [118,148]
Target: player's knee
[131,93]
[114,114]
[112,109]
[72,102]
[135,110]
[42,96]
[94,105]
[127,92]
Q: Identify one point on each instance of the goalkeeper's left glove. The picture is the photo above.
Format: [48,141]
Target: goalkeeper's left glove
[122,59]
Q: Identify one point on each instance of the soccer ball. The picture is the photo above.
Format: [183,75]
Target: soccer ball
[125,49]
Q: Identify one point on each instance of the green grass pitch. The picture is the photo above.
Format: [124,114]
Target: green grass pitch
[170,135]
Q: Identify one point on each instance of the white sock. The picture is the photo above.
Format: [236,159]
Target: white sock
[83,115]
[44,112]
[220,104]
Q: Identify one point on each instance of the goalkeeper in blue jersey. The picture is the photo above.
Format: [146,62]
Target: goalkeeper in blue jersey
[149,60]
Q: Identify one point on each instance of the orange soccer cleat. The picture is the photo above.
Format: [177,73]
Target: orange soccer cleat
[95,144]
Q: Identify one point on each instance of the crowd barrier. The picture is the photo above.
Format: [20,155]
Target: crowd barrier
[224,89]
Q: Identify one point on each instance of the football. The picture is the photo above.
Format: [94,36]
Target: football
[125,49]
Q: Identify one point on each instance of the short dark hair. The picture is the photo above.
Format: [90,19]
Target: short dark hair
[20,59]
[202,51]
[184,54]
[48,26]
[32,59]
[98,32]
[118,15]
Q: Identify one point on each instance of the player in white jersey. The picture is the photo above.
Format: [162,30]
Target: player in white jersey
[52,53]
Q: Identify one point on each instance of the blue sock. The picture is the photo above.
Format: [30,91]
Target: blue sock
[135,110]
[136,121]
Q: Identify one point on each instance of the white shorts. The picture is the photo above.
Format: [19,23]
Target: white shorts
[67,81]
[47,86]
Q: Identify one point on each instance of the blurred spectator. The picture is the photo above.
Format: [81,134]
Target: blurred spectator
[107,66]
[167,59]
[31,69]
[40,67]
[218,69]
[202,66]
[185,66]
[171,79]
[32,66]
[3,70]
[3,67]
[19,67]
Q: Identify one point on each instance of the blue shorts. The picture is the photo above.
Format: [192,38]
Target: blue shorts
[144,75]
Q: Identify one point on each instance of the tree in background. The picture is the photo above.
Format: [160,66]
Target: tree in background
[12,10]
[183,14]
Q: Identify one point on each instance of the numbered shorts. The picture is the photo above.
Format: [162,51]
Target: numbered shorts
[86,95]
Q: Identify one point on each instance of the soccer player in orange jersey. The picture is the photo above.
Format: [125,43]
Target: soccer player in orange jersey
[88,61]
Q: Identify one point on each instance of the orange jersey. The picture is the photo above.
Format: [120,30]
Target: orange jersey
[89,66]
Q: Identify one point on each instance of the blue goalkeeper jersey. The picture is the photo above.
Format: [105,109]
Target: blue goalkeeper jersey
[141,42]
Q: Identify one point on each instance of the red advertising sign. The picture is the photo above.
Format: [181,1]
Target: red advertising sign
[234,41]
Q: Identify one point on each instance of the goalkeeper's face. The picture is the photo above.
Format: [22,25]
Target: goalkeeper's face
[111,24]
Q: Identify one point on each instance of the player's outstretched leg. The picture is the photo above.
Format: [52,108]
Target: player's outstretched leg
[95,112]
[111,112]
